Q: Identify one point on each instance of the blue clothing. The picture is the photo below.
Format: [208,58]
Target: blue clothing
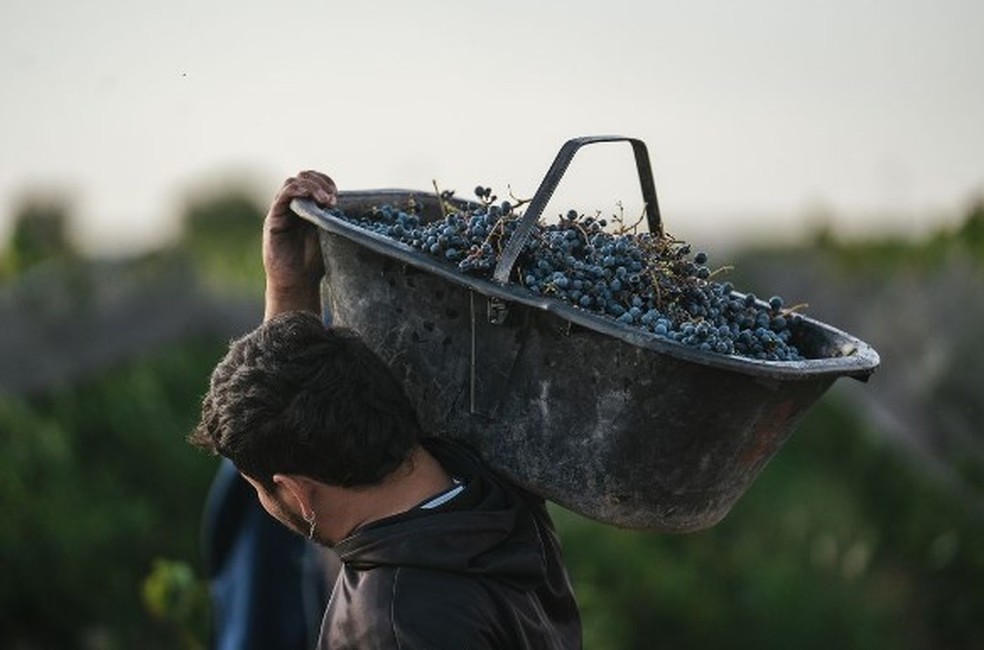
[269,586]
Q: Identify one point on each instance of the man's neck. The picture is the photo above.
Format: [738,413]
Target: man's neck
[418,479]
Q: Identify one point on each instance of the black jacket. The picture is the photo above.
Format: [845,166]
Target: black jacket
[484,570]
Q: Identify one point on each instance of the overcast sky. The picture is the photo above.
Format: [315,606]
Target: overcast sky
[758,114]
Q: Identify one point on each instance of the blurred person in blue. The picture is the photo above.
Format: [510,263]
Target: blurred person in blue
[268,586]
[436,550]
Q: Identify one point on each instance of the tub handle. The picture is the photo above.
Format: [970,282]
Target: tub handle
[552,179]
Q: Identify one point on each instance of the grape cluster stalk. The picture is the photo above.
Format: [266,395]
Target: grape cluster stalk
[640,279]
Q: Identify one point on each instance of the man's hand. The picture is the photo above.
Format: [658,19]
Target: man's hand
[291,251]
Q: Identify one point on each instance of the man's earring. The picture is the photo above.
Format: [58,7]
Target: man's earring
[312,522]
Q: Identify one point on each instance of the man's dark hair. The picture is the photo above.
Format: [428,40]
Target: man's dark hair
[296,397]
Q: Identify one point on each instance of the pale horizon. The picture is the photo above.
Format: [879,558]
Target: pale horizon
[760,117]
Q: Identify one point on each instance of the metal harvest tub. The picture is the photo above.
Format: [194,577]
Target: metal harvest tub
[599,417]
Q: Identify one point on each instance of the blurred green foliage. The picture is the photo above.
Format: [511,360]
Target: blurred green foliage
[884,255]
[221,232]
[844,541]
[971,232]
[95,483]
[41,232]
[173,594]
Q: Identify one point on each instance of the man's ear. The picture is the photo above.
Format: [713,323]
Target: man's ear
[299,488]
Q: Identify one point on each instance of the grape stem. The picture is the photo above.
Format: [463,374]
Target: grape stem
[440,199]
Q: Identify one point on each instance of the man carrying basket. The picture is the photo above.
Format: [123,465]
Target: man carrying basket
[437,551]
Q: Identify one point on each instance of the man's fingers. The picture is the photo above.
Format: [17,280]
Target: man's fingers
[326,182]
[310,185]
[307,184]
[326,192]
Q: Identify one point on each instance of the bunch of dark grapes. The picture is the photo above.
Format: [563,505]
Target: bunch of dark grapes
[645,280]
